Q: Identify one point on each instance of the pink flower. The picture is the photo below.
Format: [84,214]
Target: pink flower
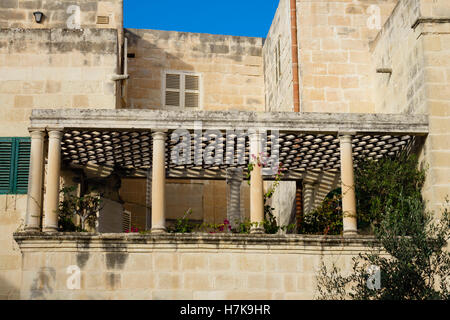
[226,221]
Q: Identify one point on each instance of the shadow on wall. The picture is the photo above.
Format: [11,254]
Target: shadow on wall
[145,70]
[316,187]
[8,291]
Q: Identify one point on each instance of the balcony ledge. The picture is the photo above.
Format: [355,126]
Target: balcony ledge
[126,242]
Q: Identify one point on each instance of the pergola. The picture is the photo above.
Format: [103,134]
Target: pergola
[140,140]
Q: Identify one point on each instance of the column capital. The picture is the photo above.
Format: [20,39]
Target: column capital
[343,134]
[36,133]
[55,133]
[159,135]
[32,129]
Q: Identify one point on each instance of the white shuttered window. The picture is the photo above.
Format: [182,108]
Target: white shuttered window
[181,89]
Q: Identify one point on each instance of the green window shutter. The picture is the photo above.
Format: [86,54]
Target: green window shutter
[6,165]
[23,148]
[14,165]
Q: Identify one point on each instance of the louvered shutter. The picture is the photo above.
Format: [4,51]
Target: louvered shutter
[23,148]
[14,165]
[182,89]
[6,165]
[191,91]
[173,88]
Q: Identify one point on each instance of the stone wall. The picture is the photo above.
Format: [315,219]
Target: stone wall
[61,13]
[334,58]
[436,43]
[12,217]
[418,52]
[48,66]
[236,267]
[397,47]
[231,68]
[278,59]
[54,69]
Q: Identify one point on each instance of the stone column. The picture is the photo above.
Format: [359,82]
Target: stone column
[35,181]
[53,175]
[348,185]
[256,184]
[234,181]
[158,183]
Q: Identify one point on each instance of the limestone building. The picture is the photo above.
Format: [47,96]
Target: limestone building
[85,102]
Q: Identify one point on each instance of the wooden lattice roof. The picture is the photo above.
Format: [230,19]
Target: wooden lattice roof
[299,142]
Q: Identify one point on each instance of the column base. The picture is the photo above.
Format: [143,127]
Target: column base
[158,230]
[349,233]
[257,230]
[50,229]
[32,229]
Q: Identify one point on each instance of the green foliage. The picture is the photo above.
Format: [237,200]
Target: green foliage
[243,227]
[376,184]
[385,181]
[86,207]
[183,225]
[410,248]
[417,266]
[327,218]
[270,223]
[66,224]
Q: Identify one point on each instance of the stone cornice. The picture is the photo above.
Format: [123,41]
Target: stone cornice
[74,242]
[127,119]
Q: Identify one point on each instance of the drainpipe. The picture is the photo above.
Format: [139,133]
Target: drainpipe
[121,87]
[295,79]
[125,76]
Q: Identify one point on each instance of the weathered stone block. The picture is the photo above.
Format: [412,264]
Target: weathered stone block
[165,261]
[250,263]
[193,262]
[23,101]
[197,281]
[112,280]
[288,263]
[168,280]
[10,262]
[138,280]
[172,295]
[219,262]
[9,4]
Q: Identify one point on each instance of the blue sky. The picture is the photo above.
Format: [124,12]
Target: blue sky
[251,18]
